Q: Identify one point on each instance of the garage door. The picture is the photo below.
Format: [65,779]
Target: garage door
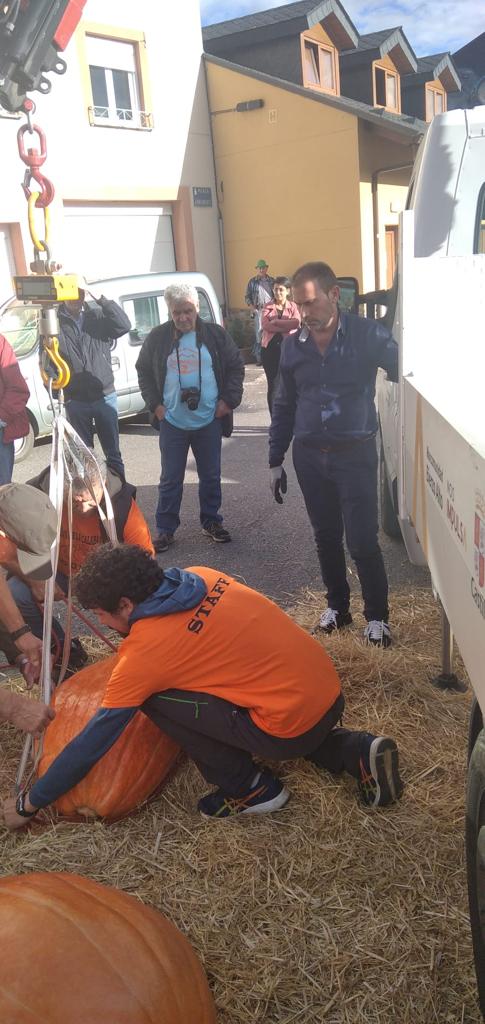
[7,265]
[118,240]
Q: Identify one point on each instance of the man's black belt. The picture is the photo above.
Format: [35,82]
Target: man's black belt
[341,446]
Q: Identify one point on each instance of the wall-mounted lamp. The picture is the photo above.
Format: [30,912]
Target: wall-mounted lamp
[240,108]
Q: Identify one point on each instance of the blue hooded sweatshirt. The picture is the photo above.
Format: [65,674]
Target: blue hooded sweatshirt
[179,592]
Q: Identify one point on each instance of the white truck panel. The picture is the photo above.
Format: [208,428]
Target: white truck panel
[442,433]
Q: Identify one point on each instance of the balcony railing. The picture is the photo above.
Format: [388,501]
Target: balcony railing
[120,117]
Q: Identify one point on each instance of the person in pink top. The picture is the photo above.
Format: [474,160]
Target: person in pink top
[14,421]
[280,317]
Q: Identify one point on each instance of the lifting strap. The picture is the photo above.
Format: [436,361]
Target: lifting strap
[69,457]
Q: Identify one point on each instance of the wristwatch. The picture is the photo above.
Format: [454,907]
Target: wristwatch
[20,807]
[19,632]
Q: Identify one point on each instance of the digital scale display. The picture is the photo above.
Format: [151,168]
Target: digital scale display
[35,288]
[47,288]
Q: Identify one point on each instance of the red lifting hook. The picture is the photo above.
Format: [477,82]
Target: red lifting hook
[34,159]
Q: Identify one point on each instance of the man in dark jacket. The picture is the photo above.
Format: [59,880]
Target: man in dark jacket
[191,377]
[326,402]
[85,336]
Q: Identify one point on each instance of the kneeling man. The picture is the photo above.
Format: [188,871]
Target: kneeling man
[187,664]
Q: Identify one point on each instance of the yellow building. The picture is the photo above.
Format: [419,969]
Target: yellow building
[295,177]
[304,172]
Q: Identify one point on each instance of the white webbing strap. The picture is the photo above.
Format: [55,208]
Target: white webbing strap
[65,442]
[56,486]
[107,519]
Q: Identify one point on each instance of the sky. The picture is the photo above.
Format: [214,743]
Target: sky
[432,26]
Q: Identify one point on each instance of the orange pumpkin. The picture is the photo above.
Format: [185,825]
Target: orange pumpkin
[76,952]
[124,777]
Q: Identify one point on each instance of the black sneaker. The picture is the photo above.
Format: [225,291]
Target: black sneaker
[330,620]
[268,794]
[163,542]
[216,532]
[78,658]
[378,634]
[380,783]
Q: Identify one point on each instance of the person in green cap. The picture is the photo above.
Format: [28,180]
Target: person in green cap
[259,291]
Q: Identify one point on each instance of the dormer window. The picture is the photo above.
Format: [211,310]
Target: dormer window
[387,91]
[320,68]
[435,100]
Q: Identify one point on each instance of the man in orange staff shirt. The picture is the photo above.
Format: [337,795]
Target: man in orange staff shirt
[88,532]
[187,664]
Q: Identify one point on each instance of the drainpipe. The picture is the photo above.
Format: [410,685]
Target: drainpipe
[220,225]
[375,215]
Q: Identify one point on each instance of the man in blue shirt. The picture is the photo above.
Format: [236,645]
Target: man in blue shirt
[326,402]
[191,377]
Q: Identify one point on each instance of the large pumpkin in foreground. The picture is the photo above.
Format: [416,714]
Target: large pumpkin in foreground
[124,777]
[75,952]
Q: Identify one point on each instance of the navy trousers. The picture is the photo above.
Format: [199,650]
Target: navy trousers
[340,492]
[206,443]
[7,458]
[221,738]
[101,415]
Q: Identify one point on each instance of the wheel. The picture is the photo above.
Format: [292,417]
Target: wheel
[475,859]
[389,520]
[24,445]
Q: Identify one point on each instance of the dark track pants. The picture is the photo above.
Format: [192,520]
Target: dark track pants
[270,358]
[221,738]
[340,490]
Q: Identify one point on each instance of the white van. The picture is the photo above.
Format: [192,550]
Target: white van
[447,194]
[142,299]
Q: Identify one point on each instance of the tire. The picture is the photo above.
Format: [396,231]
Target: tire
[475,726]
[389,520]
[475,859]
[24,445]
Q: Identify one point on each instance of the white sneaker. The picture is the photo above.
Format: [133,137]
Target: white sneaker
[331,620]
[377,633]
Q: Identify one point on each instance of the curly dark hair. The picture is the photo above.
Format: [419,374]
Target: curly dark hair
[111,573]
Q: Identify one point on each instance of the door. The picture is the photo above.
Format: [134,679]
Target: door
[118,240]
[391,253]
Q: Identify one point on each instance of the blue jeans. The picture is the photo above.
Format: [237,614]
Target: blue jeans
[206,445]
[101,415]
[340,489]
[30,610]
[7,455]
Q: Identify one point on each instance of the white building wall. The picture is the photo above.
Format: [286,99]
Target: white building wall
[106,165]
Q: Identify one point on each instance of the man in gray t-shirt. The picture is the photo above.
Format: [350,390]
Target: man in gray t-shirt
[259,291]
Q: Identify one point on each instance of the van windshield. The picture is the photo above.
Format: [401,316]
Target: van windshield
[20,326]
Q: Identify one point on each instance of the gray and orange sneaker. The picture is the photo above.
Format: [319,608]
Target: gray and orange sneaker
[379,783]
[268,794]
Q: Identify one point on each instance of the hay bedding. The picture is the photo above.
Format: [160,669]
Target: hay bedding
[326,911]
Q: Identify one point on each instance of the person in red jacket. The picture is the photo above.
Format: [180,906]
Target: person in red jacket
[14,395]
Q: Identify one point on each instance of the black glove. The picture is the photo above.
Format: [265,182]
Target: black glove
[278,483]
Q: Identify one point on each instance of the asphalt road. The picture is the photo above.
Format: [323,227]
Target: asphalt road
[272,547]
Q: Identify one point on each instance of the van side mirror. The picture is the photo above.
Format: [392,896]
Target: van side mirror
[349,294]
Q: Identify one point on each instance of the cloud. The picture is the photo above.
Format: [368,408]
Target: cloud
[431,26]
